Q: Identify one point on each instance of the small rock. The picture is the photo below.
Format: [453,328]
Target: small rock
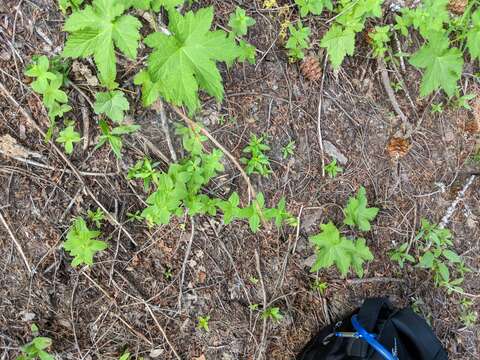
[155,353]
[27,316]
[308,262]
[333,151]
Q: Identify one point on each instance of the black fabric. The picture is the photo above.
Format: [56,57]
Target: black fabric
[402,330]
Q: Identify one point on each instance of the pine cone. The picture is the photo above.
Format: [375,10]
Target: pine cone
[398,147]
[472,126]
[457,7]
[311,69]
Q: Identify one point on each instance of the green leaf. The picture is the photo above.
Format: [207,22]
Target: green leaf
[443,65]
[426,261]
[96,30]
[53,94]
[451,256]
[473,36]
[230,208]
[313,6]
[331,249]
[185,62]
[68,137]
[240,22]
[111,103]
[81,243]
[65,4]
[39,69]
[298,41]
[443,271]
[357,213]
[339,43]
[247,52]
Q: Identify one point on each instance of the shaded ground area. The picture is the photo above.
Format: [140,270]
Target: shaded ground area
[128,300]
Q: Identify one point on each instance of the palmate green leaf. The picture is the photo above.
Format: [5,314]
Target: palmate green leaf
[443,65]
[154,5]
[81,243]
[339,43]
[185,62]
[473,36]
[230,208]
[357,213]
[255,212]
[298,41]
[53,94]
[331,248]
[246,52]
[96,29]
[111,103]
[313,6]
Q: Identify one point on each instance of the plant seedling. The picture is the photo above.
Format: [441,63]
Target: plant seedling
[288,150]
[36,349]
[272,313]
[81,243]
[68,137]
[203,323]
[298,41]
[357,213]
[332,169]
[258,163]
[96,216]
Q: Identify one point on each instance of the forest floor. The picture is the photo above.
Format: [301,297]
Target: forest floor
[127,299]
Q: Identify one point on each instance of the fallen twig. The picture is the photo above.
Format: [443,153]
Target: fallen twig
[17,244]
[453,206]
[263,340]
[184,265]
[319,120]
[159,109]
[391,95]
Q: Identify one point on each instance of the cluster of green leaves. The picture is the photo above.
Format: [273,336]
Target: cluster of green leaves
[239,22]
[82,243]
[339,40]
[36,349]
[202,323]
[289,149]
[64,5]
[380,37]
[435,254]
[113,136]
[468,314]
[179,189]
[298,41]
[184,62]
[272,313]
[48,82]
[314,7]
[332,169]
[333,248]
[145,170]
[257,162]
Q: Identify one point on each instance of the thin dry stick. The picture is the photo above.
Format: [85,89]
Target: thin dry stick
[29,118]
[319,120]
[159,109]
[388,88]
[263,340]
[17,244]
[162,331]
[86,123]
[453,206]
[43,166]
[184,265]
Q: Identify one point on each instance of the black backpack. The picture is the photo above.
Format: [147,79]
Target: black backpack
[401,332]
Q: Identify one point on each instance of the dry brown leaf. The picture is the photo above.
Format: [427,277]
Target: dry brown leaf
[311,68]
[398,147]
[82,70]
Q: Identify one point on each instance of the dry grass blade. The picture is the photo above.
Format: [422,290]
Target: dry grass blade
[17,244]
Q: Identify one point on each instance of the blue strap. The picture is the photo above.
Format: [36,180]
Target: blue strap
[370,339]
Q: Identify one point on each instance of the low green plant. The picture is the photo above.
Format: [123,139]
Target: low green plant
[320,286]
[333,248]
[468,315]
[434,247]
[239,22]
[436,108]
[289,149]
[96,217]
[68,137]
[48,82]
[298,41]
[314,7]
[272,313]
[111,103]
[125,356]
[203,323]
[332,169]
[114,136]
[253,280]
[258,162]
[401,255]
[36,349]
[168,273]
[64,5]
[253,307]
[82,243]
[188,57]
[178,190]
[380,37]
[145,170]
